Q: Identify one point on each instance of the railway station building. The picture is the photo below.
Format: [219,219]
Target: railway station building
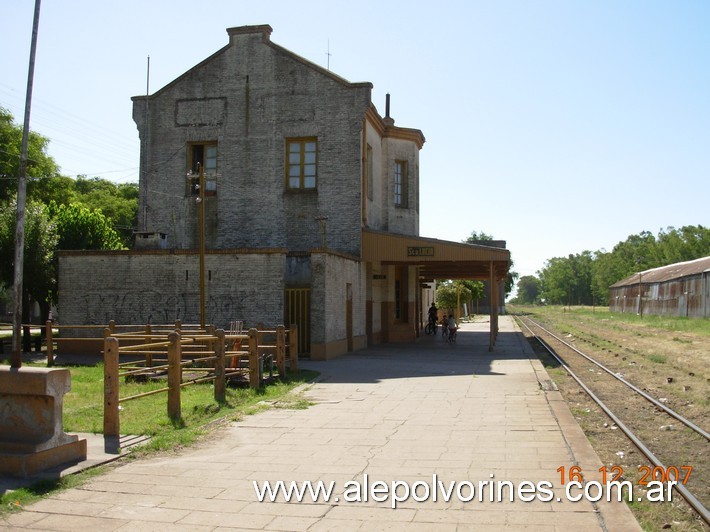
[300,198]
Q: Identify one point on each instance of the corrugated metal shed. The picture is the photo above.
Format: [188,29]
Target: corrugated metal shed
[667,273]
[680,289]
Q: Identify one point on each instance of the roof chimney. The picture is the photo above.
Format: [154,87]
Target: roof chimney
[388,120]
[263,29]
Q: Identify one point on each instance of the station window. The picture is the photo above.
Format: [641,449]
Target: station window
[202,156]
[400,184]
[301,163]
[369,170]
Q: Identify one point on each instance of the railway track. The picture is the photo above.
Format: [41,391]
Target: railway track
[671,442]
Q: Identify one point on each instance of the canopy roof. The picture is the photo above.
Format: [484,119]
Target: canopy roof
[438,259]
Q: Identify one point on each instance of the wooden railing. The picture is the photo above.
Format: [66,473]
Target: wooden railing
[209,355]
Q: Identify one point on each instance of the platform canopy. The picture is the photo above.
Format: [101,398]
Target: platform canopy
[437,259]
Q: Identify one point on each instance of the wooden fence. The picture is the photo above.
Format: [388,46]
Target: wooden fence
[91,341]
[187,357]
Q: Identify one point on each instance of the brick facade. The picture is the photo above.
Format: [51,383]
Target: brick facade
[246,104]
[250,97]
[160,287]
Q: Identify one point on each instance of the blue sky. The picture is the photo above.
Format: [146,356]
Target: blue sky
[559,126]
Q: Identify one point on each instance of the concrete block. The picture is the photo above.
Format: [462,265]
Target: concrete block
[32,438]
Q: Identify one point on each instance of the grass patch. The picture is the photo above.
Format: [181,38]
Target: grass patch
[698,326]
[83,412]
[658,359]
[17,500]
[83,406]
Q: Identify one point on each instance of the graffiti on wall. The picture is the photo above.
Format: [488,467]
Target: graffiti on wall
[152,307]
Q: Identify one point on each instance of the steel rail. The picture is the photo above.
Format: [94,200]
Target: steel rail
[705,434]
[685,493]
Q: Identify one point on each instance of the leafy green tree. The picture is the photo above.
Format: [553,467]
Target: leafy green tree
[591,274]
[79,227]
[39,275]
[680,245]
[568,280]
[450,293]
[60,189]
[117,201]
[476,237]
[40,166]
[528,290]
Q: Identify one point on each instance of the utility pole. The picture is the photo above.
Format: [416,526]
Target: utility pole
[202,247]
[16,359]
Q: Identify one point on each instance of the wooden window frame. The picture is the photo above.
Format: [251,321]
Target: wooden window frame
[302,163]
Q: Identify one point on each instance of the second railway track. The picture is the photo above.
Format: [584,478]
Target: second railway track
[668,438]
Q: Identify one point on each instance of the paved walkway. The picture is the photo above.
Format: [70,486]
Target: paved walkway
[391,413]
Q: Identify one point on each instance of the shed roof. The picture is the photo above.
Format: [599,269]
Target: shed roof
[667,273]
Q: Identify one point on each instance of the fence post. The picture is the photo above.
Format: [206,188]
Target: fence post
[174,375]
[281,351]
[112,327]
[112,422]
[148,340]
[178,324]
[219,378]
[50,343]
[254,377]
[293,347]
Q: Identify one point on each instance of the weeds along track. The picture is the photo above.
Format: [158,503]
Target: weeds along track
[670,440]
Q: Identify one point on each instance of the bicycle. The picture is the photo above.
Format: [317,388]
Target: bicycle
[430,327]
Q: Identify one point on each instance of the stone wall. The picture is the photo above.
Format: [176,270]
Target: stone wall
[161,287]
[331,276]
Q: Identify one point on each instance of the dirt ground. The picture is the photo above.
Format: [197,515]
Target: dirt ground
[670,365]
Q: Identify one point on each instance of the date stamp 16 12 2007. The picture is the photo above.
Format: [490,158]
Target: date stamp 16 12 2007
[678,474]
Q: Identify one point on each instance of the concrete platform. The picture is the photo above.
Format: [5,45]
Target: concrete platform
[423,413]
[99,450]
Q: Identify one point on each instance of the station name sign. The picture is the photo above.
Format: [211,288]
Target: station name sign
[420,252]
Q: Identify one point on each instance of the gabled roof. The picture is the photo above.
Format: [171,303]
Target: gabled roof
[667,273]
[265,31]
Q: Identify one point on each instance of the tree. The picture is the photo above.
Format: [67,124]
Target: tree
[40,243]
[528,290]
[39,165]
[568,280]
[450,293]
[117,201]
[79,227]
[476,237]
